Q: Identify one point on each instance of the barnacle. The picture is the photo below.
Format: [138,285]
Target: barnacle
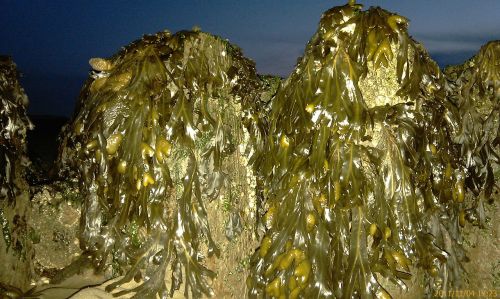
[359,149]
[155,138]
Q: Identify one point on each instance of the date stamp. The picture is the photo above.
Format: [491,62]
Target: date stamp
[467,293]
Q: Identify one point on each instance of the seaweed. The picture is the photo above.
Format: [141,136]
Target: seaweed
[153,128]
[15,244]
[361,149]
[14,124]
[369,160]
[13,127]
[474,87]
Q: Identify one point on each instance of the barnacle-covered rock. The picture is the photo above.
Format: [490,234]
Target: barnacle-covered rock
[55,218]
[14,214]
[359,150]
[159,142]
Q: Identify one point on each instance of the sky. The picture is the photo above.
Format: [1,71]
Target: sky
[51,41]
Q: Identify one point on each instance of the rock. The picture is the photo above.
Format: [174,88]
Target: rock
[56,223]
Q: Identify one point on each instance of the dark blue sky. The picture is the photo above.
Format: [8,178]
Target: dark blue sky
[52,41]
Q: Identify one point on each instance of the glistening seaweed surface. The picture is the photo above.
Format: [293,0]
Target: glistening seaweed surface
[372,175]
[13,126]
[369,160]
[153,128]
[474,87]
[15,246]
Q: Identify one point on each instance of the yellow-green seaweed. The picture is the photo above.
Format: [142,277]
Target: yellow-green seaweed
[15,244]
[369,159]
[474,88]
[14,125]
[152,129]
[377,166]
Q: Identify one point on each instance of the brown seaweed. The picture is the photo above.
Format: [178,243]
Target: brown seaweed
[372,174]
[154,126]
[369,159]
[14,214]
[474,87]
[13,127]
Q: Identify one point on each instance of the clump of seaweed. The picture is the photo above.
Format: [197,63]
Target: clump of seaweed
[153,128]
[13,127]
[474,87]
[360,151]
[14,124]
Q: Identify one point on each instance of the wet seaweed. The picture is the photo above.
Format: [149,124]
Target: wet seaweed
[474,87]
[370,171]
[14,212]
[152,130]
[13,127]
[14,124]
[379,157]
